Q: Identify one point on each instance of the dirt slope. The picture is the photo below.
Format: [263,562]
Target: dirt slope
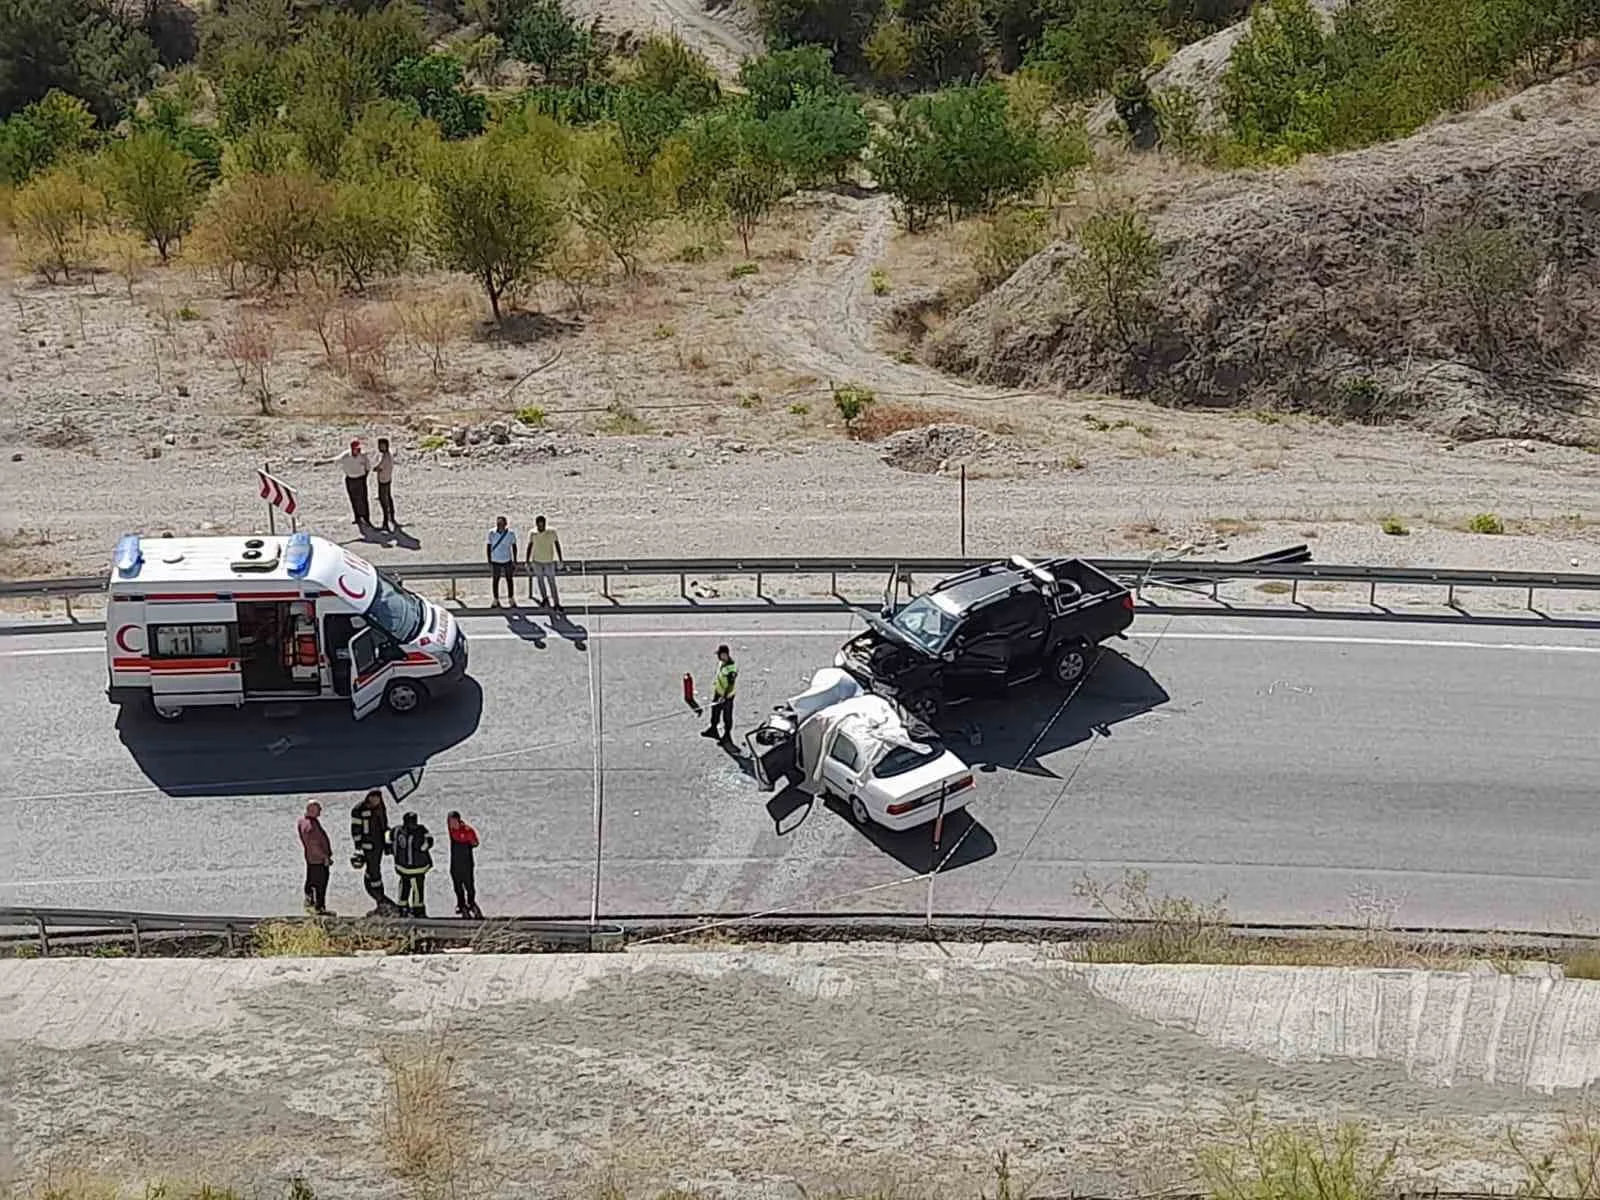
[1312,288]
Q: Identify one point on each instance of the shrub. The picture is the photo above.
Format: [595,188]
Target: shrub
[1394,527]
[1115,276]
[54,216]
[1486,523]
[1006,241]
[880,281]
[531,414]
[617,204]
[274,225]
[47,131]
[852,400]
[799,408]
[742,270]
[1295,1163]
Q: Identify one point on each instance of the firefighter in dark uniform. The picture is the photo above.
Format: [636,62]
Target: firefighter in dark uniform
[369,831]
[412,862]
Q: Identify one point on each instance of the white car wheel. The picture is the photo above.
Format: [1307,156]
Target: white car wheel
[858,811]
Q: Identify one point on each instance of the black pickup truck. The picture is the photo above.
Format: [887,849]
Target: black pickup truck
[987,629]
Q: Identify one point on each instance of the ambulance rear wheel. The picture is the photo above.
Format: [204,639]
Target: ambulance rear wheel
[405,696]
[167,712]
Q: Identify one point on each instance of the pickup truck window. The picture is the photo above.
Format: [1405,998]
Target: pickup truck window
[925,623]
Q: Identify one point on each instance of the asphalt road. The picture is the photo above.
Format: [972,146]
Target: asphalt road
[1307,770]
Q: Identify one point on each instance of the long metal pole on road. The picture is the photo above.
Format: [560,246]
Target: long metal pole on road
[597,721]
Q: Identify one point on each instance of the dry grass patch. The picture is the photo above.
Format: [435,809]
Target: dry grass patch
[430,1137]
[879,421]
[1149,927]
[318,939]
[29,554]
[1233,526]
[1582,964]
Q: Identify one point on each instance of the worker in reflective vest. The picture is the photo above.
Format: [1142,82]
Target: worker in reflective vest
[722,689]
[412,862]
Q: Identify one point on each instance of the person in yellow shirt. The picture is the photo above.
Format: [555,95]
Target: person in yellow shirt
[723,685]
[544,552]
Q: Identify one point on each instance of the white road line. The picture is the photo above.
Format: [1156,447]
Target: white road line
[735,634]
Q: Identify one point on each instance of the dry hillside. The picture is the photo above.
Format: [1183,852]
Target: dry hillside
[1450,279]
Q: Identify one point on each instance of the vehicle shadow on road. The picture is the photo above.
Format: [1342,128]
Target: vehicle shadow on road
[319,748]
[963,840]
[1007,728]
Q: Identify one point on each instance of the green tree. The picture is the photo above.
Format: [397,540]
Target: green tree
[1274,88]
[1114,277]
[665,66]
[1084,53]
[251,88]
[387,142]
[786,79]
[172,116]
[494,216]
[80,47]
[317,120]
[959,149]
[1178,122]
[54,216]
[45,132]
[891,51]
[645,120]
[372,229]
[544,35]
[750,186]
[819,138]
[840,25]
[952,44]
[273,225]
[434,86]
[155,187]
[616,202]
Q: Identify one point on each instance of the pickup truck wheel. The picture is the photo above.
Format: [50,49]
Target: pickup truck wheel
[1071,664]
[859,813]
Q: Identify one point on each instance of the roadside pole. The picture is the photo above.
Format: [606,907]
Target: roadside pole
[272,516]
[598,727]
[963,510]
[938,841]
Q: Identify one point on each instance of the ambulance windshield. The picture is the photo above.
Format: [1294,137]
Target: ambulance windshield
[395,611]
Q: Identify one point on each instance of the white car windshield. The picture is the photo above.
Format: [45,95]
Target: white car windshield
[925,623]
[395,611]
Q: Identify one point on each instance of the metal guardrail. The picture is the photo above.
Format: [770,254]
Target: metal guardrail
[80,922]
[1138,573]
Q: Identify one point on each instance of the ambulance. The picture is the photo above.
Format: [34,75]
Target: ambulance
[208,621]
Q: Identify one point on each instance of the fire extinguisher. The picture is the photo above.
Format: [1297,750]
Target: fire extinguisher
[688,693]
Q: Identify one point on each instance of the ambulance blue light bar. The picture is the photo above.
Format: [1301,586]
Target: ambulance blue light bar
[128,557]
[297,555]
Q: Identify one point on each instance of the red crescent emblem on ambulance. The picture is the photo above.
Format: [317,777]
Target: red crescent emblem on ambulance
[345,588]
[122,642]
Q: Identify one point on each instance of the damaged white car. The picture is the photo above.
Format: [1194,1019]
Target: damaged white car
[836,740]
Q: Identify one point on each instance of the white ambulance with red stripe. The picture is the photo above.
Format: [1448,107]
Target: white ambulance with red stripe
[194,622]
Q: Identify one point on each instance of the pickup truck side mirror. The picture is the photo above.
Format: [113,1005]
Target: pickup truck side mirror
[886,612]
[948,656]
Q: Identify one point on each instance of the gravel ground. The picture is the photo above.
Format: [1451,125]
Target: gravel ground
[749,1072]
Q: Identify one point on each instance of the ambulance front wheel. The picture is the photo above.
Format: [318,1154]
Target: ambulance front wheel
[405,696]
[166,711]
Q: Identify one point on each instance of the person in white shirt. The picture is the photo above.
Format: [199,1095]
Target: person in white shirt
[385,473]
[544,552]
[356,466]
[501,550]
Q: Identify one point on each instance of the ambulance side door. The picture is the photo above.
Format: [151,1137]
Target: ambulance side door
[369,672]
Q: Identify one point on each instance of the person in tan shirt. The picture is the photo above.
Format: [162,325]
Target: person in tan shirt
[385,473]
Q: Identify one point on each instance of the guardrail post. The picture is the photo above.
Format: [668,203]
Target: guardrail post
[1372,594]
[1450,596]
[759,596]
[44,938]
[605,586]
[138,942]
[455,597]
[1531,608]
[1214,585]
[683,584]
[833,583]
[68,600]
[1294,591]
[227,932]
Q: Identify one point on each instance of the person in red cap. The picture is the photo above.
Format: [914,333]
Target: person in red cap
[356,467]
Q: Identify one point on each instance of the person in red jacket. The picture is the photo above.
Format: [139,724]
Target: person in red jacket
[463,842]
